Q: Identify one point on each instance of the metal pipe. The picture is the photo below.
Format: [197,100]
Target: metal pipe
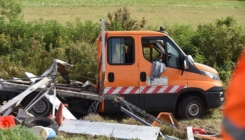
[103,55]
[103,43]
[53,109]
[134,116]
[46,92]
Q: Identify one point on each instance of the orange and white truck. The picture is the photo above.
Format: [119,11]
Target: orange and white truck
[149,70]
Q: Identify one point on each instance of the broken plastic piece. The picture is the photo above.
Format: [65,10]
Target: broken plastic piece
[167,118]
[190,133]
[43,132]
[59,115]
[23,114]
[7,122]
[198,131]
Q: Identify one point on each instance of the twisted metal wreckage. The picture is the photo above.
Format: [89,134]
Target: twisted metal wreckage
[44,86]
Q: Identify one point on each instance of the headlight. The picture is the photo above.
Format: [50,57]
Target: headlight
[210,74]
[221,96]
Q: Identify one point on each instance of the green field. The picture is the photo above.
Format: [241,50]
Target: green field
[156,12]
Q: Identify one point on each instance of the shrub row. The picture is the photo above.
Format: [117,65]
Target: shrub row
[31,46]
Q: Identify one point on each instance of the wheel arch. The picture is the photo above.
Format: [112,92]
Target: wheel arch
[189,92]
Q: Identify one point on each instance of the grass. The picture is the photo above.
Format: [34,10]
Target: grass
[156,12]
[211,123]
[17,133]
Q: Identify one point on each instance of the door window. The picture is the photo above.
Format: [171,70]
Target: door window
[153,49]
[161,49]
[121,50]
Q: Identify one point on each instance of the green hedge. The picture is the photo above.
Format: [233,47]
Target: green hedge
[31,46]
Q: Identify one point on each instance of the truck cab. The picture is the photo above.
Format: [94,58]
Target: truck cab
[149,70]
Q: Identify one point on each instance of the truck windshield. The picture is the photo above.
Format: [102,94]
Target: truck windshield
[177,47]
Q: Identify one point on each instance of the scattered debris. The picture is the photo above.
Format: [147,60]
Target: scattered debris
[41,121]
[47,89]
[166,117]
[7,122]
[23,114]
[132,109]
[59,115]
[120,131]
[190,135]
[66,113]
[201,134]
[208,137]
[16,100]
[43,132]
[171,138]
[198,131]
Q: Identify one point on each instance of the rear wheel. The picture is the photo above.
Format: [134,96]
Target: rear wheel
[191,107]
[41,109]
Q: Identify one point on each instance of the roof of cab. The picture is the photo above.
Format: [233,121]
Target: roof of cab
[124,33]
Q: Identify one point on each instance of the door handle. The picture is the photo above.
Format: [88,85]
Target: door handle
[111,77]
[142,76]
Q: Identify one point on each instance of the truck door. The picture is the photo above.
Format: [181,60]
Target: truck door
[121,71]
[160,61]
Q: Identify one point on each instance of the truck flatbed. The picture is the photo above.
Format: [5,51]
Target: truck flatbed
[62,89]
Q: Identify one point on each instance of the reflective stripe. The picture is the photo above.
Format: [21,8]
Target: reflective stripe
[233,131]
[144,89]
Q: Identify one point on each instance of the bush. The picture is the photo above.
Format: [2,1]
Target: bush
[32,46]
[121,20]
[220,43]
[10,10]
[182,35]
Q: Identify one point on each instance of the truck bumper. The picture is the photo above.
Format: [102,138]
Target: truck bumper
[214,97]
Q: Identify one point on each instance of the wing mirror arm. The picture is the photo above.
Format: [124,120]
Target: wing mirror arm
[185,66]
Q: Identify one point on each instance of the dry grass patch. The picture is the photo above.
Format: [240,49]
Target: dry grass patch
[210,123]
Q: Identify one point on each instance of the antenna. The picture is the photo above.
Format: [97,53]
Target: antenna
[161,29]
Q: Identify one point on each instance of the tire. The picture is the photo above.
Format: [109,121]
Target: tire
[41,109]
[41,121]
[191,107]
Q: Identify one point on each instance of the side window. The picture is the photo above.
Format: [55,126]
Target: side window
[153,49]
[150,53]
[120,50]
[173,54]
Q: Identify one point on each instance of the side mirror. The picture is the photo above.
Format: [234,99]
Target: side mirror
[183,63]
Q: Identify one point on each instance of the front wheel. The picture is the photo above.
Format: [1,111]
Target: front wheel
[191,107]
